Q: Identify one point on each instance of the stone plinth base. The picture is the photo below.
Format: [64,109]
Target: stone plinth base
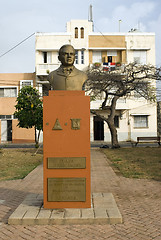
[103,210]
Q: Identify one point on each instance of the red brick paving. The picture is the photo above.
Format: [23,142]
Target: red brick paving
[139,202]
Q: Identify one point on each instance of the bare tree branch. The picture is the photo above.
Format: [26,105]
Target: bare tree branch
[123,82]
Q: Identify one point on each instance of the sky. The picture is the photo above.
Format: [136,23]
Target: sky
[20,18]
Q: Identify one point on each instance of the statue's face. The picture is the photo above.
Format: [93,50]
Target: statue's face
[67,56]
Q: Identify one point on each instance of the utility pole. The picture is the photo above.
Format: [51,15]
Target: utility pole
[119,24]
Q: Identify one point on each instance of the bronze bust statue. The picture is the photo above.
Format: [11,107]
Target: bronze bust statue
[67,77]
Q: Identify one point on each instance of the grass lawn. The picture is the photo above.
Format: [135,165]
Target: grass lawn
[139,162]
[17,163]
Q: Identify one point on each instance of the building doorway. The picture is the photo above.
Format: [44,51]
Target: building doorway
[6,130]
[98,128]
[110,59]
[9,130]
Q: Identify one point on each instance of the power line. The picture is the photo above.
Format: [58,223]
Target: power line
[101,34]
[17,45]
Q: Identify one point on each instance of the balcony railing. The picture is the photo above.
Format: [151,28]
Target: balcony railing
[45,68]
[107,66]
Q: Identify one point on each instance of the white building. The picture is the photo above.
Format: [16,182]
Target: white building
[134,116]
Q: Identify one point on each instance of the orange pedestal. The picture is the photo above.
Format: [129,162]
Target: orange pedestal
[66,144]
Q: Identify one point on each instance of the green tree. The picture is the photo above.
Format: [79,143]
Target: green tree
[29,110]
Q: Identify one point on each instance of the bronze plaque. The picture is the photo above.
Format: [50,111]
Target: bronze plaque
[66,162]
[57,125]
[66,189]
[75,123]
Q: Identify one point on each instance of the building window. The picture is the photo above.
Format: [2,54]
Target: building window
[112,53]
[140,57]
[137,60]
[82,57]
[76,57]
[116,121]
[96,57]
[44,57]
[24,83]
[141,121]
[8,92]
[82,32]
[76,32]
[6,116]
[47,57]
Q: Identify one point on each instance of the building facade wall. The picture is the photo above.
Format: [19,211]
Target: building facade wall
[126,129]
[142,42]
[8,124]
[22,135]
[106,41]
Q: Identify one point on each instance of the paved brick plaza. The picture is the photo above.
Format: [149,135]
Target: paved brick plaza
[139,202]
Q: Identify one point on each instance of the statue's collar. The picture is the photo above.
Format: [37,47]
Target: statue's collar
[67,69]
[63,70]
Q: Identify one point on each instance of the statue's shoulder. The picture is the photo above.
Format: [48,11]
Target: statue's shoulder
[55,71]
[53,74]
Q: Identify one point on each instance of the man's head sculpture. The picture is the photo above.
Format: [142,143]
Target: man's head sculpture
[67,77]
[67,55]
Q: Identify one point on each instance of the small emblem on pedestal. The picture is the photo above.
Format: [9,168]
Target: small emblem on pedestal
[57,125]
[75,123]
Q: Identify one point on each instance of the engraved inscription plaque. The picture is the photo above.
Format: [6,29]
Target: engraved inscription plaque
[66,189]
[66,162]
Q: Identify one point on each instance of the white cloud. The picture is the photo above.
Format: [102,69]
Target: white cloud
[130,17]
[154,26]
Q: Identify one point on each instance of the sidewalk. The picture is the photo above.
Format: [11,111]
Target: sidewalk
[94,144]
[139,202]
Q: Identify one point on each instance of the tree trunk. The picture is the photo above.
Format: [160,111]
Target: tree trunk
[35,136]
[36,139]
[111,124]
[114,136]
[38,136]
